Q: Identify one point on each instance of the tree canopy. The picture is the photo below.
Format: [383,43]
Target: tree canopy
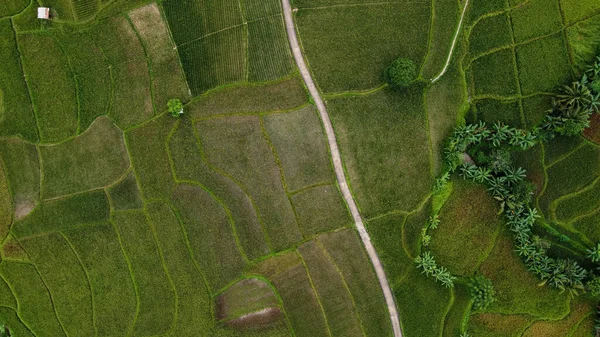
[400,73]
[175,107]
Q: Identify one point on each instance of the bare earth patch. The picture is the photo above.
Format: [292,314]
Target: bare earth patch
[593,132]
[23,209]
[257,320]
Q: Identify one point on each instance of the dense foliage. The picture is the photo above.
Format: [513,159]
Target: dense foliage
[175,107]
[482,292]
[400,73]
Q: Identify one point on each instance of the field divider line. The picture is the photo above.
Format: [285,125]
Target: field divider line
[339,168]
[456,34]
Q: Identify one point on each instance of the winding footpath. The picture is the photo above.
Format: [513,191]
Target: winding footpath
[458,29]
[339,169]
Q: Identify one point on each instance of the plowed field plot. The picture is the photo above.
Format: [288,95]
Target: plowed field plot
[120,216]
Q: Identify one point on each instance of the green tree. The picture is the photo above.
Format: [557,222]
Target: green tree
[594,253]
[175,107]
[593,286]
[482,292]
[400,73]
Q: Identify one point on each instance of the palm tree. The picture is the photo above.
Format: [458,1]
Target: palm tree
[594,253]
[577,95]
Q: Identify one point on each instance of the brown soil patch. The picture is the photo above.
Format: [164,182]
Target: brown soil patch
[593,132]
[257,320]
[23,209]
[12,250]
[243,298]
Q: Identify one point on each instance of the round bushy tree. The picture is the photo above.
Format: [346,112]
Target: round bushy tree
[400,73]
[482,292]
[175,107]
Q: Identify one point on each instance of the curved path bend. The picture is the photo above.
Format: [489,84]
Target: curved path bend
[339,169]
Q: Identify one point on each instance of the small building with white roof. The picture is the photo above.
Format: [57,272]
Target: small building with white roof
[44,13]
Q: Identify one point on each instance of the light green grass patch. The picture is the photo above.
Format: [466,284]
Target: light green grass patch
[64,213]
[581,202]
[348,47]
[321,209]
[543,65]
[469,222]
[445,21]
[126,194]
[301,147]
[210,234]
[244,297]
[92,160]
[300,301]
[16,113]
[35,303]
[7,298]
[490,33]
[237,146]
[535,18]
[332,291]
[269,54]
[148,151]
[156,295]
[349,256]
[168,80]
[577,9]
[384,142]
[27,20]
[584,42]
[274,96]
[10,318]
[12,7]
[494,74]
[193,305]
[256,9]
[107,268]
[6,205]
[499,325]
[579,309]
[459,313]
[66,280]
[386,234]
[535,109]
[479,8]
[189,165]
[517,290]
[51,84]
[589,225]
[62,9]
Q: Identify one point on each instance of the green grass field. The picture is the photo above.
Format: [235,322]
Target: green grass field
[118,219]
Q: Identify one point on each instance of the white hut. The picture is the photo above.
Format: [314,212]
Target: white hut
[44,13]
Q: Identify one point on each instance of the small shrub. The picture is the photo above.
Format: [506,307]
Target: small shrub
[400,73]
[593,286]
[482,292]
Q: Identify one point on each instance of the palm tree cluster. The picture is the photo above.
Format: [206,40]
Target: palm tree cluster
[482,292]
[426,262]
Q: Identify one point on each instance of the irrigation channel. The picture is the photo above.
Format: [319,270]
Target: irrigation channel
[339,169]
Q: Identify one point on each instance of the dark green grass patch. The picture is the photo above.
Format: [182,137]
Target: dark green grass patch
[479,8]
[12,7]
[577,9]
[62,9]
[517,290]
[498,325]
[283,95]
[411,231]
[10,318]
[469,222]
[85,9]
[589,225]
[384,143]
[269,54]
[490,33]
[92,74]
[349,256]
[118,41]
[189,165]
[6,205]
[300,302]
[194,307]
[64,213]
[156,295]
[531,161]
[584,42]
[386,234]
[16,112]
[66,280]
[168,80]
[211,236]
[301,147]
[7,299]
[149,157]
[126,194]
[535,109]
[321,209]
[571,174]
[215,60]
[348,47]
[560,147]
[318,4]
[27,20]
[492,111]
[256,9]
[459,313]
[51,85]
[92,160]
[494,74]
[422,304]
[332,291]
[244,297]
[35,304]
[535,18]
[543,64]
[237,146]
[110,279]
[579,309]
[445,20]
[581,202]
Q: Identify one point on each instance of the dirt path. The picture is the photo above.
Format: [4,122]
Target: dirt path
[462,17]
[339,169]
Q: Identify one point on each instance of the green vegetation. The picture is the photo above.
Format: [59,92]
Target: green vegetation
[400,73]
[482,292]
[175,107]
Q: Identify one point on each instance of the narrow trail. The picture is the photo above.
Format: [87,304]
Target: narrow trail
[339,169]
[458,29]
